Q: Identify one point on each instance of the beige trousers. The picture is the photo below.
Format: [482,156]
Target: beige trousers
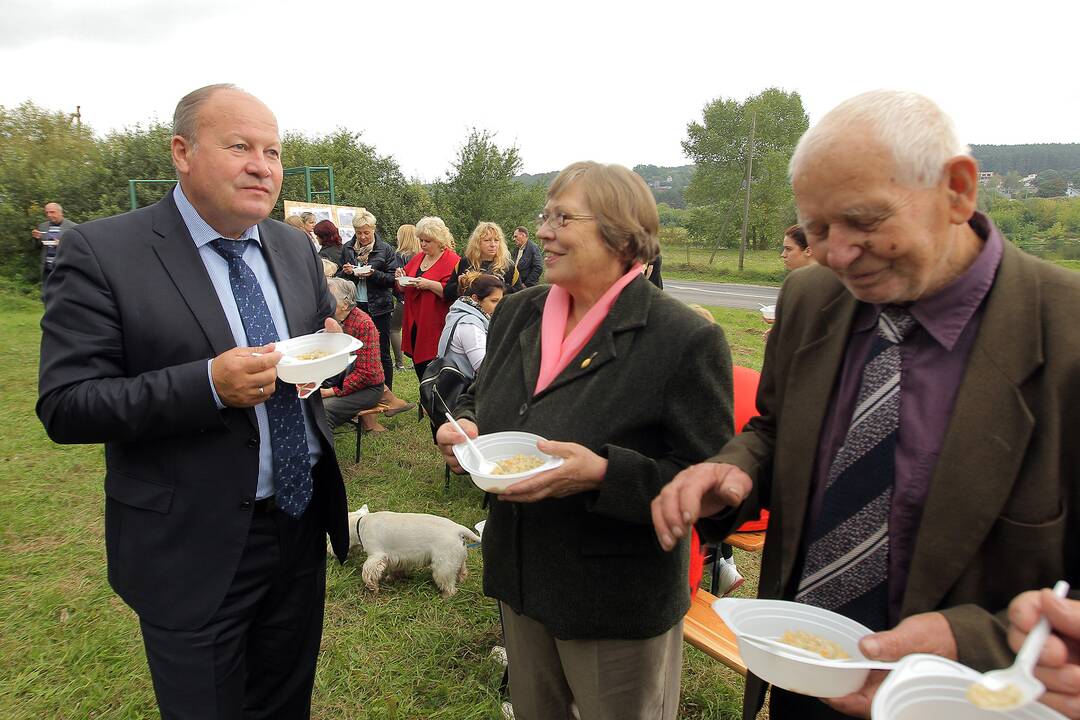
[606,679]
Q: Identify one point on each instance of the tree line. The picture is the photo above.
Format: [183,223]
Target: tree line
[1028,159]
[45,156]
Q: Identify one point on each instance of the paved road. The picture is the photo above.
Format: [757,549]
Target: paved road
[751,297]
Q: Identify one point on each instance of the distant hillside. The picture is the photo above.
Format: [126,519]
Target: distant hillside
[667,183]
[1028,159]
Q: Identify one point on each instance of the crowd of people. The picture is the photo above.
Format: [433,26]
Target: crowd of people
[911,438]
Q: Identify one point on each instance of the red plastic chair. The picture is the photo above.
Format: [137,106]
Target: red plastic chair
[744,389]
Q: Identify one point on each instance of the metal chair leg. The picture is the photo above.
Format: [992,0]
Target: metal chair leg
[360,439]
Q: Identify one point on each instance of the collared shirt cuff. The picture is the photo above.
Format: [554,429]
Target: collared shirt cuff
[213,390]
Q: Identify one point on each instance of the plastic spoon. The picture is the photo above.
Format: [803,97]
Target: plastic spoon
[483,465]
[766,643]
[1016,683]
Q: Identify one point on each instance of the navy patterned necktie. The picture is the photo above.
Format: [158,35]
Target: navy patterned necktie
[847,562]
[288,439]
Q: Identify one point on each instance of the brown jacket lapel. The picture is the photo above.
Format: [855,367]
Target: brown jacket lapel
[986,441]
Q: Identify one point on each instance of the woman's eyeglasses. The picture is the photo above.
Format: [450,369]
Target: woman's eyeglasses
[557,221]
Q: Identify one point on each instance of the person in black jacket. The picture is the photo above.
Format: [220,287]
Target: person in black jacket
[486,252]
[527,259]
[371,265]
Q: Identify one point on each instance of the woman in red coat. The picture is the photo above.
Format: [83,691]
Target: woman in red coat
[425,306]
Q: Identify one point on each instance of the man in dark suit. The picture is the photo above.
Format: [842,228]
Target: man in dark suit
[527,258]
[920,472]
[220,484]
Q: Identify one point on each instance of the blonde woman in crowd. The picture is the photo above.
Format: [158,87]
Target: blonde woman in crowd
[426,301]
[371,266]
[407,246]
[486,252]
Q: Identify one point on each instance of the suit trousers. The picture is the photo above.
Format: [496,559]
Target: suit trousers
[605,679]
[255,657]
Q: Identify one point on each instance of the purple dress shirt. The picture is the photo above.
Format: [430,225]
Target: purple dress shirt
[933,360]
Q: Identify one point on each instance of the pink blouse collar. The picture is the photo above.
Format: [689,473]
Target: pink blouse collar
[556,351]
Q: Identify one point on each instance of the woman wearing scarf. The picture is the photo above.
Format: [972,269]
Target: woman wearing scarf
[371,266]
[464,336]
[486,252]
[629,386]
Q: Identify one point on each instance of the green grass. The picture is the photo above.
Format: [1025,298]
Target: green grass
[69,648]
[760,267]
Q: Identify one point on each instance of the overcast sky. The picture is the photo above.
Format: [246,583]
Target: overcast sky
[564,81]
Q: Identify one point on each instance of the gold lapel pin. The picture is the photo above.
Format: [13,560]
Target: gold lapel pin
[587,361]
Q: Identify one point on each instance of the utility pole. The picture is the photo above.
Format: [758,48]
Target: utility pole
[746,207]
[78,116]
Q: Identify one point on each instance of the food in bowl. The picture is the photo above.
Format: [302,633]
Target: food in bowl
[988,699]
[516,464]
[815,644]
[313,355]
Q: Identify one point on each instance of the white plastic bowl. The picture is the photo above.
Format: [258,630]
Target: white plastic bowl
[406,280]
[807,676]
[339,346]
[499,446]
[927,687]
[768,312]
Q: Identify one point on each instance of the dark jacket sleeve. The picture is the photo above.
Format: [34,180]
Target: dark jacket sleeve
[383,263]
[84,396]
[533,265]
[451,290]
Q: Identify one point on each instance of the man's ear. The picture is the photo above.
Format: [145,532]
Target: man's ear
[181,153]
[961,179]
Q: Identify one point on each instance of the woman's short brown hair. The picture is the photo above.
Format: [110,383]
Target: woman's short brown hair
[622,203]
[796,233]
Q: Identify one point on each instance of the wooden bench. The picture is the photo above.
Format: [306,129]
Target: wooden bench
[749,541]
[704,629]
[355,422]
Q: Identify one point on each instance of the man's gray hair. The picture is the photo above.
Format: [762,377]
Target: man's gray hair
[186,116]
[920,136]
[343,292]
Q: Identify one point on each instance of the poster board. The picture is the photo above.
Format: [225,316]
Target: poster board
[340,215]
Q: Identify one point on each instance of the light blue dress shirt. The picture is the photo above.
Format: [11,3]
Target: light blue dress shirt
[202,234]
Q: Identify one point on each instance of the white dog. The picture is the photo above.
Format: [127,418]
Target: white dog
[399,542]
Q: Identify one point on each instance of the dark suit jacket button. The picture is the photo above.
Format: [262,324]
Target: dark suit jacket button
[253,442]
[245,504]
[523,409]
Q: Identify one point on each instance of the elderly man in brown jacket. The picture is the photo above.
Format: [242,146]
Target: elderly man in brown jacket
[921,472]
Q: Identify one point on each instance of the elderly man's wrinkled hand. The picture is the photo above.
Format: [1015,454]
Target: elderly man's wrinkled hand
[1059,664]
[924,633]
[447,437]
[696,492]
[582,470]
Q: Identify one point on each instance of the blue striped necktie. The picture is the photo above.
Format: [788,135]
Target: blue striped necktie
[847,562]
[288,439]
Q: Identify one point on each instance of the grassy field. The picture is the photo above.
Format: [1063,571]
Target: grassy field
[70,649]
[760,267]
